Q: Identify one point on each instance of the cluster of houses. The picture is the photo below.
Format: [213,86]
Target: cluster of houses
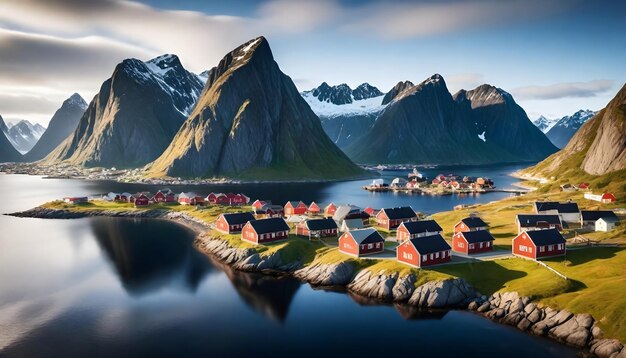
[448,182]
[557,215]
[184,198]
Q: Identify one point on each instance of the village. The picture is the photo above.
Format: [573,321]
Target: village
[396,233]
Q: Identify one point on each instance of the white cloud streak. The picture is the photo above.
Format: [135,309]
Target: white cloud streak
[564,90]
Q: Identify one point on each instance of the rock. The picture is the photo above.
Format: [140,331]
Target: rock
[512,319]
[536,315]
[584,320]
[326,275]
[524,324]
[445,293]
[473,306]
[529,308]
[516,306]
[596,332]
[404,288]
[379,285]
[540,328]
[484,307]
[562,317]
[606,348]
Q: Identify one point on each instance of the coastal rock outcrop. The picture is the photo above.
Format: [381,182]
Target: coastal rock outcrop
[445,293]
[326,274]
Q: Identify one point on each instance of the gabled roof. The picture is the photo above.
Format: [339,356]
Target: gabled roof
[473,237]
[399,213]
[321,224]
[366,236]
[422,226]
[593,215]
[294,203]
[546,237]
[343,211]
[531,220]
[189,194]
[561,208]
[352,224]
[610,219]
[474,222]
[430,244]
[265,226]
[238,218]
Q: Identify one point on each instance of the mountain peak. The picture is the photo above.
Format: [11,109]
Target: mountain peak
[396,90]
[343,94]
[76,100]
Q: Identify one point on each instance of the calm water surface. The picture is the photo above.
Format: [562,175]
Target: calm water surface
[120,287]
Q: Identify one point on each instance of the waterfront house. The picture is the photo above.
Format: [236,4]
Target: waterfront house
[370,211]
[605,198]
[414,229]
[424,251]
[141,199]
[330,209]
[190,198]
[472,242]
[472,223]
[588,218]
[125,197]
[233,222]
[606,224]
[391,218]
[568,211]
[260,203]
[269,211]
[539,244]
[212,198]
[164,196]
[295,208]
[317,228]
[351,224]
[111,196]
[529,222]
[347,212]
[75,199]
[361,242]
[265,230]
[314,209]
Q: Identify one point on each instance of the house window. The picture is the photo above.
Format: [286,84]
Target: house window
[471,246]
[480,245]
[461,244]
[488,243]
[425,258]
[542,248]
[523,248]
[437,255]
[378,245]
[550,247]
[370,246]
[432,256]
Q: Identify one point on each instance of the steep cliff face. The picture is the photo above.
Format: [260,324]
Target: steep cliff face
[424,124]
[251,120]
[8,153]
[134,116]
[396,90]
[62,124]
[565,128]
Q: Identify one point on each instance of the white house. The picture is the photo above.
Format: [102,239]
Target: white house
[606,224]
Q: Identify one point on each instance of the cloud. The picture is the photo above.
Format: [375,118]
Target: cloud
[564,90]
[466,81]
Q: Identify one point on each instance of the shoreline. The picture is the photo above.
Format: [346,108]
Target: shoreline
[577,330]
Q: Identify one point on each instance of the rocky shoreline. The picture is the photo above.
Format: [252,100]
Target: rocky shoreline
[578,330]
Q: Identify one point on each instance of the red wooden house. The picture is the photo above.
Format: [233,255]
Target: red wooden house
[314,209]
[330,209]
[424,251]
[233,222]
[265,230]
[361,242]
[370,211]
[141,199]
[539,244]
[295,208]
[164,196]
[583,186]
[212,198]
[472,242]
[260,203]
[123,197]
[221,199]
[391,218]
[317,228]
[472,223]
[191,198]
[414,229]
[269,211]
[436,181]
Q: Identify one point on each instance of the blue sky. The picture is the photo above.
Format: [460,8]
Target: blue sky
[555,57]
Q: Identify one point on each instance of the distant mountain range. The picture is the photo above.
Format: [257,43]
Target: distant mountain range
[23,135]
[8,153]
[135,115]
[62,124]
[565,128]
[545,124]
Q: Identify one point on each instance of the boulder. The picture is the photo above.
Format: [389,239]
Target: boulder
[326,275]
[446,293]
[404,287]
[605,348]
[484,307]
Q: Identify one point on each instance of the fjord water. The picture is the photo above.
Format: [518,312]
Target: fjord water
[124,287]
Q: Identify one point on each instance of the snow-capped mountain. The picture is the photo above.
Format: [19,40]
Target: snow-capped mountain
[544,123]
[563,130]
[8,153]
[23,135]
[345,113]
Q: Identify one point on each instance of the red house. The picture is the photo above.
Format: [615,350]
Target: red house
[164,196]
[269,211]
[472,242]
[265,230]
[233,222]
[391,218]
[190,198]
[212,198]
[424,251]
[608,198]
[539,244]
[295,208]
[317,228]
[361,242]
[237,199]
[260,203]
[370,211]
[314,209]
[470,224]
[414,229]
[141,200]
[330,209]
[583,186]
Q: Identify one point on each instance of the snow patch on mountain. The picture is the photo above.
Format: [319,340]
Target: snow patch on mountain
[331,110]
[545,124]
[482,136]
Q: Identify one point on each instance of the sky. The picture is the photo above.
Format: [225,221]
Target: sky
[554,56]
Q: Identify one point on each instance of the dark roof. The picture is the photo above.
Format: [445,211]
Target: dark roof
[531,220]
[430,244]
[265,226]
[321,224]
[474,222]
[238,218]
[418,227]
[400,213]
[473,237]
[560,207]
[546,237]
[594,215]
[366,236]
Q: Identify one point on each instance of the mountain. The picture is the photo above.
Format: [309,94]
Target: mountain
[597,148]
[8,153]
[346,114]
[251,122]
[563,130]
[23,135]
[396,90]
[545,124]
[425,124]
[62,124]
[134,116]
